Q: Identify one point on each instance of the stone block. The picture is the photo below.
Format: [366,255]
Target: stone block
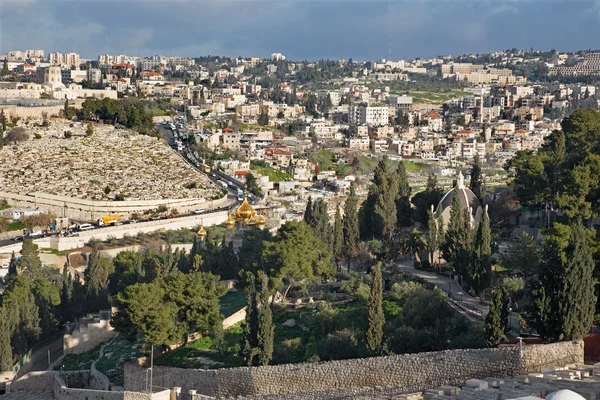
[477,384]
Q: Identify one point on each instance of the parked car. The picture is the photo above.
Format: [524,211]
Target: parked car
[17,238]
[170,216]
[199,211]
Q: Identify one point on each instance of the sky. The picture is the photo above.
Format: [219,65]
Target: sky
[300,29]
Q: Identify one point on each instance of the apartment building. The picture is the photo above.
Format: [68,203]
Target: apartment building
[67,59]
[590,65]
[401,103]
[232,141]
[359,143]
[248,110]
[334,95]
[366,114]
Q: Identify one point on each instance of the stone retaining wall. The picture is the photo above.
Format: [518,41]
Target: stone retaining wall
[90,210]
[398,373]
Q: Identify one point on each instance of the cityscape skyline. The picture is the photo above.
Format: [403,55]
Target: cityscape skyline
[300,30]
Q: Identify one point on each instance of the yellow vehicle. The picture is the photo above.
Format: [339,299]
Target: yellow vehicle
[111,219]
[205,168]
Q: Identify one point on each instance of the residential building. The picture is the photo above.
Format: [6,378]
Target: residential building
[367,114]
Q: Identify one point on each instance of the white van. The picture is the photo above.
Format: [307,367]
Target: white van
[86,227]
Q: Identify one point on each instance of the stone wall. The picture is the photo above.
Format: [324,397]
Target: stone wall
[90,210]
[35,113]
[536,357]
[393,374]
[86,337]
[74,242]
[234,318]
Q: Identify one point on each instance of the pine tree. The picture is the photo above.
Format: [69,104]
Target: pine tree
[494,326]
[482,254]
[66,110]
[375,317]
[350,225]
[565,300]
[338,236]
[308,211]
[250,326]
[266,331]
[476,183]
[403,207]
[432,236]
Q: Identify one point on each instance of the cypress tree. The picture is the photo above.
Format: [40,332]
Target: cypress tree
[375,317]
[320,222]
[250,326]
[432,236]
[266,331]
[12,266]
[65,295]
[565,300]
[6,355]
[338,236]
[494,326]
[457,243]
[476,183]
[482,254]
[350,225]
[308,211]
[403,207]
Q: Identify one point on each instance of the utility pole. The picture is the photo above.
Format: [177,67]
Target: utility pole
[151,366]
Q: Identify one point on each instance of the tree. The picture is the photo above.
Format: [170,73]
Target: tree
[564,299]
[250,326]
[263,119]
[252,185]
[375,317]
[29,263]
[494,326]
[476,183]
[523,256]
[308,211]
[16,135]
[12,266]
[296,254]
[482,254]
[432,236]
[89,130]
[266,331]
[338,236]
[320,222]
[414,242]
[423,201]
[350,227]
[96,278]
[457,245]
[403,207]
[378,212]
[6,356]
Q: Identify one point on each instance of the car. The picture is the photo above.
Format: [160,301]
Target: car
[133,221]
[170,216]
[155,218]
[199,211]
[4,266]
[17,238]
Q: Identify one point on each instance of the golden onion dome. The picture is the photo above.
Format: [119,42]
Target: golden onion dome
[201,232]
[260,220]
[229,221]
[245,212]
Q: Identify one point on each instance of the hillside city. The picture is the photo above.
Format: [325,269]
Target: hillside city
[267,228]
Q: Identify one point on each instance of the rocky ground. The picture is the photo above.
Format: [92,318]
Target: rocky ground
[135,166]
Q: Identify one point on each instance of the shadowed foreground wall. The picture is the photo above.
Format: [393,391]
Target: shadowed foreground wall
[406,373]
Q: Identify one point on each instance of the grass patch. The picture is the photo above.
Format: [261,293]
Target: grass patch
[273,174]
[49,250]
[16,226]
[77,362]
[415,167]
[231,302]
[4,205]
[116,354]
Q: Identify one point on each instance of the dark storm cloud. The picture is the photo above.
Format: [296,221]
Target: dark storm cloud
[301,29]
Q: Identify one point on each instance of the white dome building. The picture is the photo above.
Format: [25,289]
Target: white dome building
[564,394]
[467,200]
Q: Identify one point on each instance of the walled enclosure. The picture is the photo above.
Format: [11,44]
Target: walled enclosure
[407,372]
